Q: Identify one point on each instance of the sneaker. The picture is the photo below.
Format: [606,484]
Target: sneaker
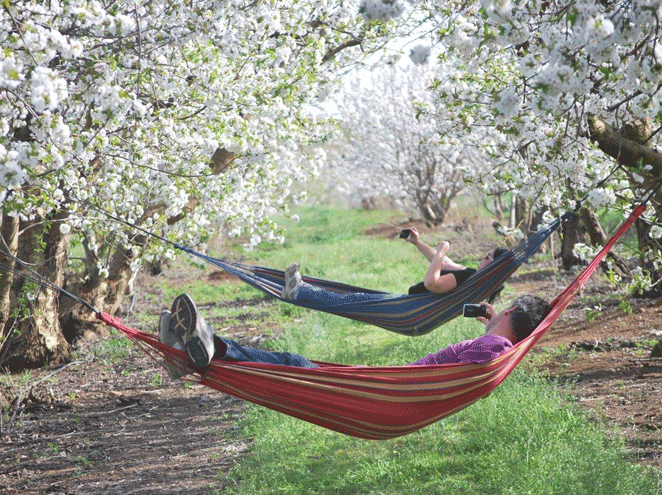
[191,328]
[292,282]
[168,338]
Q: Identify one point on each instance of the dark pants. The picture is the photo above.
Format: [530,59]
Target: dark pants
[229,350]
[311,297]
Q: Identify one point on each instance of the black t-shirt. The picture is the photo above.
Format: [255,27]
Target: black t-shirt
[461,276]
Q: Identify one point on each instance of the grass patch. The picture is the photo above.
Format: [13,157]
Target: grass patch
[519,440]
[115,348]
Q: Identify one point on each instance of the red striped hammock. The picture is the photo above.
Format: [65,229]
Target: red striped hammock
[364,401]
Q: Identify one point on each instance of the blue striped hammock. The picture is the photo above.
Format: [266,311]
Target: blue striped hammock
[415,314]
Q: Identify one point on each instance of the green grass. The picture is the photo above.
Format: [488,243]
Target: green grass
[525,438]
[516,441]
[115,349]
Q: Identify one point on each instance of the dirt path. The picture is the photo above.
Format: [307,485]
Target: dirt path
[120,427]
[115,430]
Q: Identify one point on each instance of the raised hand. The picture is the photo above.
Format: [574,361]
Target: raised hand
[413,237]
[443,247]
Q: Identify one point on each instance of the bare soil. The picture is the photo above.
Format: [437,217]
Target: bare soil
[120,426]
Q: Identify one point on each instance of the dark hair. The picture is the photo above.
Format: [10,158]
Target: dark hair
[528,313]
[495,254]
[498,252]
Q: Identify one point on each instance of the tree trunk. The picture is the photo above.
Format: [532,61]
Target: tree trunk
[536,218]
[9,233]
[597,237]
[105,294]
[646,245]
[513,212]
[571,234]
[632,147]
[522,216]
[498,207]
[34,338]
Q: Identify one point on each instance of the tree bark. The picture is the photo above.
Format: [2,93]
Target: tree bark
[36,339]
[571,234]
[105,294]
[597,237]
[632,148]
[9,233]
[627,152]
[498,207]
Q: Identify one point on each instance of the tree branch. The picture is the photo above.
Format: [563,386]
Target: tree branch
[347,44]
[625,151]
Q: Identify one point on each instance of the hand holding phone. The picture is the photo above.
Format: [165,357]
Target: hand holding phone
[474,311]
[405,234]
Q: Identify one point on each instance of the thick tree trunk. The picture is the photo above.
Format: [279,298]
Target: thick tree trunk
[632,148]
[646,245]
[105,294]
[34,338]
[522,215]
[9,233]
[585,227]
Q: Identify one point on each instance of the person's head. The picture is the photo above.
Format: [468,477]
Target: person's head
[492,255]
[528,312]
[519,320]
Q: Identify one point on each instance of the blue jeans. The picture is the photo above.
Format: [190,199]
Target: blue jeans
[324,299]
[229,350]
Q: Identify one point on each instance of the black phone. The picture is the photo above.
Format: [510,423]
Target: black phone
[405,234]
[474,311]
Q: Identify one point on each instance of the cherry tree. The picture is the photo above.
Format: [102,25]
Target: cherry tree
[390,146]
[180,117]
[572,89]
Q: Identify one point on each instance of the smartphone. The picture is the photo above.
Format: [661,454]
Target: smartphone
[405,234]
[474,311]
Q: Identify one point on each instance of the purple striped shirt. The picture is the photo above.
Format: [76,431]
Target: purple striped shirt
[476,351]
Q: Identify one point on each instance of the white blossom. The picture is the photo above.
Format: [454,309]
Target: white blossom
[126,103]
[597,29]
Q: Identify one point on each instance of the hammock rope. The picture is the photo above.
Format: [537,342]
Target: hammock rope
[368,402]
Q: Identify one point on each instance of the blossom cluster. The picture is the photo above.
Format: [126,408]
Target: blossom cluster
[381,10]
[420,54]
[124,104]
[535,71]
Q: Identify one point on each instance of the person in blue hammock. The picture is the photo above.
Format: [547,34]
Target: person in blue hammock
[444,274]
[184,328]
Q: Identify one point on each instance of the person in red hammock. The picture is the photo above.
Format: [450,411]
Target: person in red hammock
[184,328]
